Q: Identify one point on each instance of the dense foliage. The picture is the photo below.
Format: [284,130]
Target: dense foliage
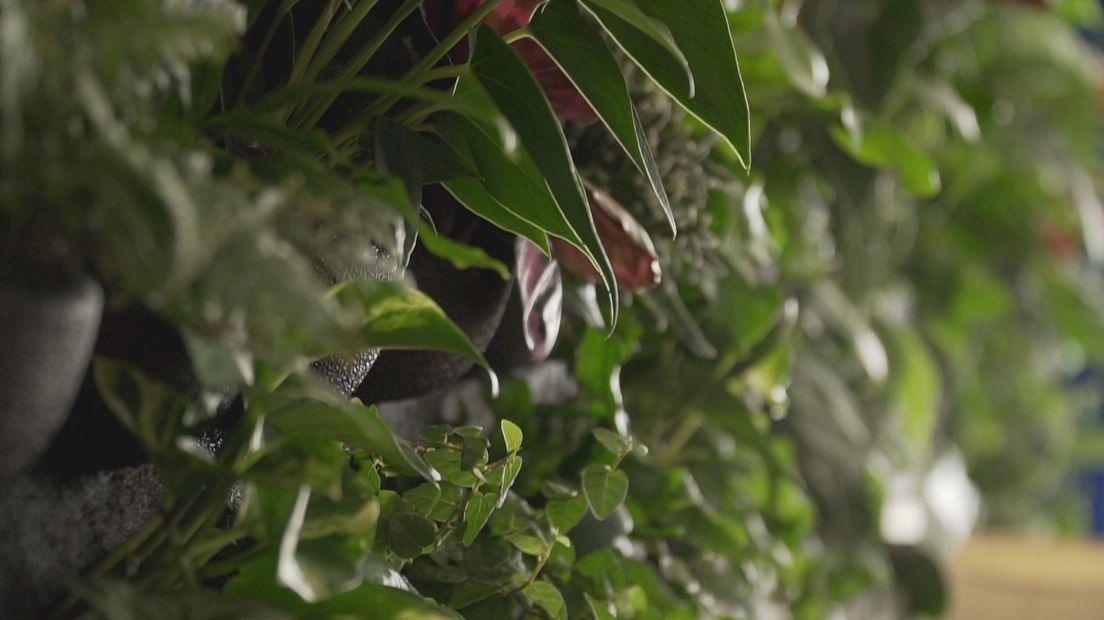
[895,287]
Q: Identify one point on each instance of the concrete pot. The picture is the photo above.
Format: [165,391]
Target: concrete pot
[46,341]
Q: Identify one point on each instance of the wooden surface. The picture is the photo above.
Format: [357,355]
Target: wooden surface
[1003,577]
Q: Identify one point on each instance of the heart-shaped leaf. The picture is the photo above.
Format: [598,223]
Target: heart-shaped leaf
[565,513]
[511,435]
[547,597]
[605,489]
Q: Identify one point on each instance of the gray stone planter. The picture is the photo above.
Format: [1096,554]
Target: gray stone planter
[46,341]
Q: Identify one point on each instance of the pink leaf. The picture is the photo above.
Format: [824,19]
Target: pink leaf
[541,290]
[628,245]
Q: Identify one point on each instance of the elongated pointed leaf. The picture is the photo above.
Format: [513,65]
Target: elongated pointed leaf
[584,58]
[518,96]
[628,12]
[512,180]
[700,28]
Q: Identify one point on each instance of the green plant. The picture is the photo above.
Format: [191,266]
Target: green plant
[836,315]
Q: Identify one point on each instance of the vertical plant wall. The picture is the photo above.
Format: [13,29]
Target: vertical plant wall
[781,268]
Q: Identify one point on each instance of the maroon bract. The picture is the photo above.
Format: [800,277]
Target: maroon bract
[507,17]
[629,247]
[541,290]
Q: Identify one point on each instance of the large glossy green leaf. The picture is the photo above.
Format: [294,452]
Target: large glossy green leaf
[700,28]
[804,64]
[628,12]
[510,191]
[582,55]
[519,97]
[397,317]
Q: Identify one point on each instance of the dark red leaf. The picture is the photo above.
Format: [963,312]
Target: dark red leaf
[629,247]
[507,17]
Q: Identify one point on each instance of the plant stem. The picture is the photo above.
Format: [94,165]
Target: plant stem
[383,104]
[307,120]
[255,70]
[516,35]
[337,39]
[304,56]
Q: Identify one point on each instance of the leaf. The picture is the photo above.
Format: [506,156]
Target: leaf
[804,64]
[474,452]
[410,533]
[308,582]
[604,489]
[527,544]
[509,192]
[151,410]
[394,154]
[880,145]
[436,161]
[418,161]
[628,12]
[547,597]
[518,96]
[479,509]
[282,97]
[582,55]
[435,434]
[701,30]
[255,582]
[351,422]
[510,471]
[218,363]
[566,512]
[511,435]
[423,497]
[600,611]
[448,464]
[612,441]
[396,317]
[459,255]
